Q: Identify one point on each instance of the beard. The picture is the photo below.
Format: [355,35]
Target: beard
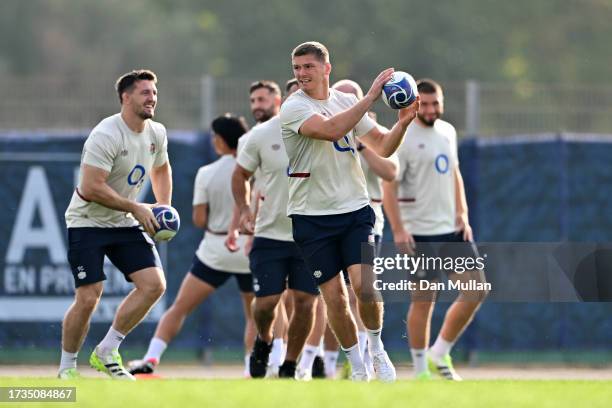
[428,122]
[263,115]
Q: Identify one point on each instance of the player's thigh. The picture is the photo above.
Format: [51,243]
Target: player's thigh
[192,292]
[299,279]
[357,245]
[269,264]
[86,255]
[134,251]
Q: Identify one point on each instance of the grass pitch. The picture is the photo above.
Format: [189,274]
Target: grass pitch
[336,394]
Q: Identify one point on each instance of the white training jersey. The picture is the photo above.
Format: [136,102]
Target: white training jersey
[213,186]
[264,150]
[128,157]
[324,177]
[426,191]
[375,192]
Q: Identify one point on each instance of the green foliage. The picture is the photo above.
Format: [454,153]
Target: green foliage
[518,41]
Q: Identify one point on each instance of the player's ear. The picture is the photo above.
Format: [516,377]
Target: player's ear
[328,68]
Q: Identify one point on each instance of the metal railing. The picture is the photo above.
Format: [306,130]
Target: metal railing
[475,108]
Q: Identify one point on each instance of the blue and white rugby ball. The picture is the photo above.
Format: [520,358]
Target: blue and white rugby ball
[400,91]
[169,222]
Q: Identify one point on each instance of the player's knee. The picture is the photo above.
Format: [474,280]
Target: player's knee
[87,297]
[304,303]
[154,290]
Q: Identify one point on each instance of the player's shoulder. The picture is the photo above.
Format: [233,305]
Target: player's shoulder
[158,129]
[343,98]
[107,129]
[296,100]
[445,128]
[265,129]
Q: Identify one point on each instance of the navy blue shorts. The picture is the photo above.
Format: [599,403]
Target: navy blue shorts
[433,246]
[217,278]
[377,249]
[276,265]
[129,249]
[331,243]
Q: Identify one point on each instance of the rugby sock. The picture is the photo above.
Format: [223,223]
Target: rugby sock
[276,355]
[307,358]
[375,340]
[284,355]
[440,348]
[330,358]
[68,360]
[320,351]
[110,342]
[362,337]
[156,348]
[247,370]
[419,359]
[354,357]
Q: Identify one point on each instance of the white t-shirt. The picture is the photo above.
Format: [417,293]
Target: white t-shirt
[264,150]
[128,157]
[426,191]
[324,177]
[375,192]
[213,186]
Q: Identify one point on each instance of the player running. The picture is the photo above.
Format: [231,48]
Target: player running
[328,201]
[213,264]
[274,258]
[432,209]
[103,219]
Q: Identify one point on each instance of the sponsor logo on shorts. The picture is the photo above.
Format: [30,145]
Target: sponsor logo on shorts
[82,274]
[256,286]
[318,274]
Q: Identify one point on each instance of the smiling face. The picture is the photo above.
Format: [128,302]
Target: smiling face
[431,108]
[141,99]
[311,73]
[264,104]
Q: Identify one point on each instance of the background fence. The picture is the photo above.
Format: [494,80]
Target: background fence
[475,108]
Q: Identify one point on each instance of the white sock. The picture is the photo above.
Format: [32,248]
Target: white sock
[68,360]
[320,351]
[276,355]
[247,369]
[110,342]
[375,340]
[419,359]
[440,348]
[330,359]
[307,358]
[156,348]
[362,337]
[354,357]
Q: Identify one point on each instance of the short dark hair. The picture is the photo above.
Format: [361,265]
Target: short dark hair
[429,86]
[290,84]
[312,48]
[269,85]
[126,82]
[230,128]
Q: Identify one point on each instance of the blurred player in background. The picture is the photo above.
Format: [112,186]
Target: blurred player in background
[264,101]
[274,258]
[432,209]
[103,219]
[328,200]
[213,264]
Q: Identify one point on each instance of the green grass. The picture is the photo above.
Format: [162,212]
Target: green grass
[336,394]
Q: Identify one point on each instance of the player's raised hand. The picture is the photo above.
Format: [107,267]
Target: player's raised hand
[376,88]
[406,115]
[144,214]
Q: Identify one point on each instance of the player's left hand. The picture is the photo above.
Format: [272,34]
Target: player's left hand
[231,241]
[463,225]
[406,115]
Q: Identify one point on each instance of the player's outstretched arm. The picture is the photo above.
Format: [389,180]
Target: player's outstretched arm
[94,188]
[339,125]
[386,143]
[161,182]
